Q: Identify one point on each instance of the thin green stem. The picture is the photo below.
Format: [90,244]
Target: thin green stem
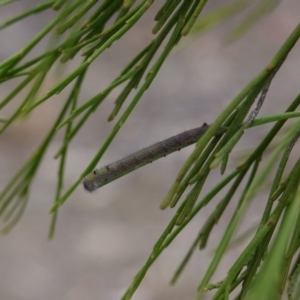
[40,7]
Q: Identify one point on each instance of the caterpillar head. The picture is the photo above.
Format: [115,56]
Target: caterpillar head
[95,180]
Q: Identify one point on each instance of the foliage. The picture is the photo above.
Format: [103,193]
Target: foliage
[270,262]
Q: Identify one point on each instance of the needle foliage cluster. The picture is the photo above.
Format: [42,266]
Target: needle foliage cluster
[269,265]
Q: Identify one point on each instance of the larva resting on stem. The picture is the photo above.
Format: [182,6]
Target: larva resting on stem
[102,176]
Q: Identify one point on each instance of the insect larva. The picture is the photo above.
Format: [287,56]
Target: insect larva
[102,176]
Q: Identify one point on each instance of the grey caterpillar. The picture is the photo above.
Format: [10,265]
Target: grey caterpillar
[102,176]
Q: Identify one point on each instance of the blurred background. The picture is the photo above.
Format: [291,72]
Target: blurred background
[104,238]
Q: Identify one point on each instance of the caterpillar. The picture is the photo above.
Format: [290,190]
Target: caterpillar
[113,171]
